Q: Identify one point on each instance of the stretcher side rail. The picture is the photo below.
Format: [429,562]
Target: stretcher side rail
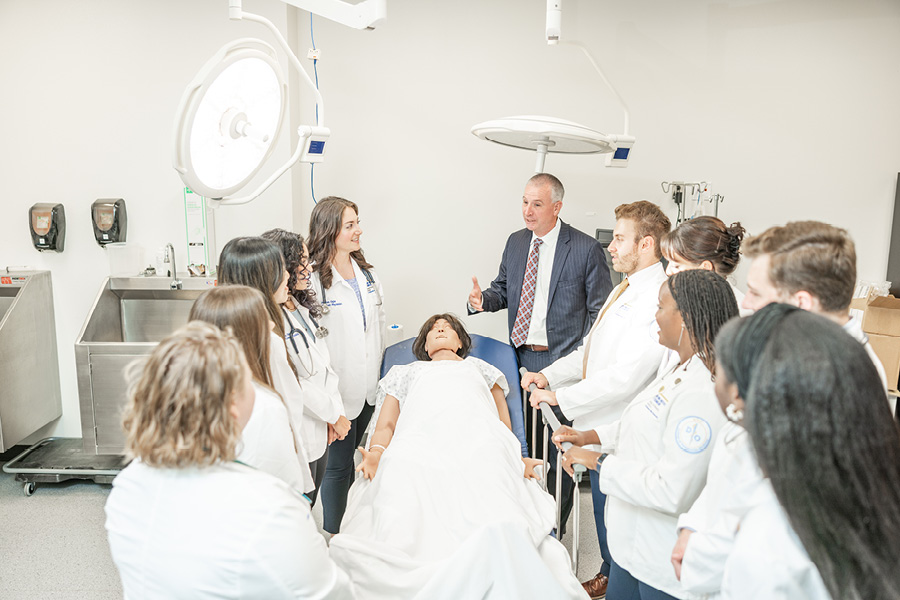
[551,424]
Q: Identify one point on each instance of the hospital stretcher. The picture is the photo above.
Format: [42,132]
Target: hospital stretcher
[503,356]
[551,424]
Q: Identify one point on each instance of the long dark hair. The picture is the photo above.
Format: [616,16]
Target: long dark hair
[706,238]
[706,302]
[418,346]
[291,245]
[324,225]
[823,434]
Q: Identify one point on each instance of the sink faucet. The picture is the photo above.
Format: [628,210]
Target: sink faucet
[175,284]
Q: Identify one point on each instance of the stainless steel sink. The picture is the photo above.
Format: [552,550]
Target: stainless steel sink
[129,317]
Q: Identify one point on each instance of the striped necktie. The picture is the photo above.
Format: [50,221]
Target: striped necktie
[526,301]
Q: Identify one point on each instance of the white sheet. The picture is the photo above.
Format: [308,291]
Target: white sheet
[451,475]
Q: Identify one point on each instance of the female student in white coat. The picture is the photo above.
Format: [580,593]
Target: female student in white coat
[653,461]
[351,296]
[257,263]
[268,442]
[187,520]
[831,451]
[323,410]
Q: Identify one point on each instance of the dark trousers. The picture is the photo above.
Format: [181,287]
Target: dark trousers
[599,499]
[623,586]
[339,473]
[317,470]
[534,362]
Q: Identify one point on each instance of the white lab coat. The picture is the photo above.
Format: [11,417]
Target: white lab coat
[659,455]
[356,352]
[285,383]
[854,328]
[768,560]
[624,356]
[268,443]
[731,484]
[225,531]
[319,383]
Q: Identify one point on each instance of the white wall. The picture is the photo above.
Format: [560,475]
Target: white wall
[90,91]
[756,97]
[788,107]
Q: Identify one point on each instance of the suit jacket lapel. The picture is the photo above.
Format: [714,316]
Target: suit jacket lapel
[559,259]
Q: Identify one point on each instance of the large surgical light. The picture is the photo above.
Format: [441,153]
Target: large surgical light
[229,118]
[550,135]
[231,112]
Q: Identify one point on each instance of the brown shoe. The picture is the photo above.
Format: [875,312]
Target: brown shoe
[596,587]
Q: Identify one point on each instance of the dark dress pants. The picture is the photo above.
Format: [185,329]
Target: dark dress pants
[339,473]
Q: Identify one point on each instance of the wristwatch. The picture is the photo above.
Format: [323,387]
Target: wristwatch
[600,460]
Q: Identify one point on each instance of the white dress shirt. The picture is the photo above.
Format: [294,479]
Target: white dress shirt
[537,331]
[625,355]
[224,531]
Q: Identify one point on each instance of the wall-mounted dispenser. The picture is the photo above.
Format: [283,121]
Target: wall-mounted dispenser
[47,223]
[110,220]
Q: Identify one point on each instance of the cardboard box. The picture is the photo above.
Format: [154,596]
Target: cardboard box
[881,322]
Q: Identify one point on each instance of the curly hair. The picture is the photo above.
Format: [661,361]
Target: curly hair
[706,302]
[418,346]
[178,413]
[324,225]
[291,245]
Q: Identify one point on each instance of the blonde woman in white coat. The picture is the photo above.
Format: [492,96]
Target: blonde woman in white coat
[653,460]
[351,296]
[323,411]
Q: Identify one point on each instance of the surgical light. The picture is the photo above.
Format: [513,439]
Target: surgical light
[551,135]
[231,112]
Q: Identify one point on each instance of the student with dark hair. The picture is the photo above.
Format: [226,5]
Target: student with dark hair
[705,243]
[653,461]
[323,410]
[707,531]
[352,302]
[258,264]
[824,438]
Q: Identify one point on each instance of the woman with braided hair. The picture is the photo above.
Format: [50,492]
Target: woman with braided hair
[653,461]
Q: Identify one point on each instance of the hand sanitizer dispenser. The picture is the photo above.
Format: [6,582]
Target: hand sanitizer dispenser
[48,226]
[110,220]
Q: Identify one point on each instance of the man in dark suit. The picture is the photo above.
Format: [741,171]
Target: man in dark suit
[554,281]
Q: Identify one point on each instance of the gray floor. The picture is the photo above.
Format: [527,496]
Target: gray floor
[53,544]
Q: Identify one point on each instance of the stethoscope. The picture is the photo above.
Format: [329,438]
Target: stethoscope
[292,335]
[370,281]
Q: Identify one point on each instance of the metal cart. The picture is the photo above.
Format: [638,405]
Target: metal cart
[54,460]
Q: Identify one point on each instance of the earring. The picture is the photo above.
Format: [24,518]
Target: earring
[734,414]
[681,335]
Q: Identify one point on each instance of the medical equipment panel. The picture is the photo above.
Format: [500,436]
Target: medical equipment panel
[47,224]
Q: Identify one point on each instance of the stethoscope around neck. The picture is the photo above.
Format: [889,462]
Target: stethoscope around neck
[370,280]
[292,336]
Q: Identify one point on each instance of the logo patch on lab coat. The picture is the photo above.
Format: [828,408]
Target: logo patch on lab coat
[622,311]
[693,435]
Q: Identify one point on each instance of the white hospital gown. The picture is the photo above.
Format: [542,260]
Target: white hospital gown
[451,471]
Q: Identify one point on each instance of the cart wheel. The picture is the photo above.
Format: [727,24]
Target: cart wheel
[28,488]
